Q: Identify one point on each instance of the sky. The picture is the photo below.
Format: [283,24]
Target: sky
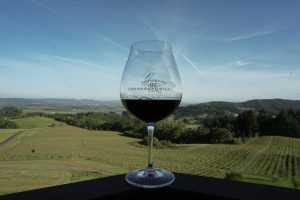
[225,50]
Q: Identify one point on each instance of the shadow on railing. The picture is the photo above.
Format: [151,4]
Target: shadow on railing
[184,187]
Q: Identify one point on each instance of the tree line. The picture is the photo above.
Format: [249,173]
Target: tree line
[9,112]
[227,129]
[221,129]
[250,123]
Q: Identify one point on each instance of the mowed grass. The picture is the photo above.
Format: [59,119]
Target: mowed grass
[6,133]
[35,122]
[24,175]
[72,110]
[62,154]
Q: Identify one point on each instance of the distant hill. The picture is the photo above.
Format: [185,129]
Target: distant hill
[215,108]
[221,108]
[271,105]
[56,102]
[212,108]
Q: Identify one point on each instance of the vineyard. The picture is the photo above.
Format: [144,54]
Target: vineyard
[62,154]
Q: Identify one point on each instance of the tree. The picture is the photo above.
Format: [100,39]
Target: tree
[10,111]
[227,122]
[246,124]
[265,122]
[193,135]
[220,135]
[125,114]
[186,120]
[4,123]
[167,130]
[298,116]
[211,122]
[291,113]
[234,176]
[286,125]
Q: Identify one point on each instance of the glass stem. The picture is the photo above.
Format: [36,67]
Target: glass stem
[150,128]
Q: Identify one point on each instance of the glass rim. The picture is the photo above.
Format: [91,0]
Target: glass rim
[151,46]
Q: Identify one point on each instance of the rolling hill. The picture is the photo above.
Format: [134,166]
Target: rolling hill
[63,154]
[56,102]
[214,107]
[221,107]
[271,105]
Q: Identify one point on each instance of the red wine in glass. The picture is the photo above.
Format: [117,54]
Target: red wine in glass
[150,110]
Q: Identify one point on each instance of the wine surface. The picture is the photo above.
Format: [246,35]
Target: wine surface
[150,110]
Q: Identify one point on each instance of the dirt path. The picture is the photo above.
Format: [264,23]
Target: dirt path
[7,140]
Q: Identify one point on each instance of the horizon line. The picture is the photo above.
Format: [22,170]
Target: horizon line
[184,101]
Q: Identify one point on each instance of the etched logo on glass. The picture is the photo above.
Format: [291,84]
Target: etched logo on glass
[151,84]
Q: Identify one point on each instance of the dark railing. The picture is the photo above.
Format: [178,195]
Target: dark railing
[184,187]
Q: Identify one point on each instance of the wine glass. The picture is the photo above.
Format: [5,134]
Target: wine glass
[150,90]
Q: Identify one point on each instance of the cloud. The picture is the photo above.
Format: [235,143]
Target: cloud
[258,33]
[43,62]
[153,29]
[242,63]
[161,37]
[239,75]
[240,84]
[86,28]
[73,62]
[42,75]
[253,35]
[16,64]
[195,67]
[228,65]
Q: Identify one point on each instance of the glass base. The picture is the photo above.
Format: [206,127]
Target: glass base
[150,178]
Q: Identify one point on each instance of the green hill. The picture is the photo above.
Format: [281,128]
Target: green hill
[215,108]
[56,102]
[271,105]
[35,122]
[221,108]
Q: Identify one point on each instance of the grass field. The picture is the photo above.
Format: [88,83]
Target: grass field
[72,110]
[6,133]
[43,157]
[35,122]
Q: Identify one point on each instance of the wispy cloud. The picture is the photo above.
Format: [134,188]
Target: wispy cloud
[43,62]
[55,76]
[233,64]
[242,63]
[240,75]
[153,29]
[86,28]
[195,67]
[161,37]
[15,63]
[73,62]
[255,34]
[258,33]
